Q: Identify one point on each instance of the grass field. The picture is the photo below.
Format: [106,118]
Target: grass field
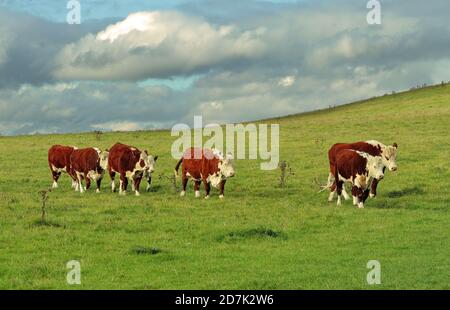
[260,236]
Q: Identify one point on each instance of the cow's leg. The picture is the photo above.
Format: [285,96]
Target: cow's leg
[360,202]
[99,183]
[330,180]
[344,193]
[137,183]
[73,176]
[184,182]
[332,191]
[339,185]
[80,184]
[133,186]
[197,188]
[149,182]
[55,176]
[222,188]
[74,183]
[373,188]
[123,184]
[88,181]
[207,188]
[112,175]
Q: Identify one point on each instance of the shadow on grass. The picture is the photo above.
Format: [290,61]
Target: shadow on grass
[40,223]
[154,188]
[260,232]
[141,250]
[406,192]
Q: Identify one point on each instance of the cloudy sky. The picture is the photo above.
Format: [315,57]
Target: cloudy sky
[150,64]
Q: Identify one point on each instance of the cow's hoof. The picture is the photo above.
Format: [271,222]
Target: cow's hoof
[371,195]
[122,193]
[221,196]
[55,185]
[148,188]
[207,197]
[138,194]
[183,193]
[97,191]
[360,206]
[197,194]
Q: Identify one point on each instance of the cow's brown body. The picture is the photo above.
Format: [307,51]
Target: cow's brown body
[363,146]
[350,165]
[126,160]
[59,161]
[200,165]
[85,164]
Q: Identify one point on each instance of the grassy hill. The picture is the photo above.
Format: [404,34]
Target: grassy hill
[260,236]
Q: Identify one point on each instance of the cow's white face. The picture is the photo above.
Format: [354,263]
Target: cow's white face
[389,157]
[142,164]
[151,164]
[375,167]
[104,159]
[226,166]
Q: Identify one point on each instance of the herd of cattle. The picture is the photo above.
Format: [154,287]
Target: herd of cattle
[362,164]
[90,164]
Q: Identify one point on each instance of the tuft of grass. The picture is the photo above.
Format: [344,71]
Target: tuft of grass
[259,232]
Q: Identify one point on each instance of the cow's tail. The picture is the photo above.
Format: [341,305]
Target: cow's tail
[177,167]
[330,182]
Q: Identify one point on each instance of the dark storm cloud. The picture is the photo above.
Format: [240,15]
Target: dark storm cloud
[29,45]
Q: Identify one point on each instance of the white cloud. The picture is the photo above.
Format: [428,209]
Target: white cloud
[118,126]
[287,81]
[155,45]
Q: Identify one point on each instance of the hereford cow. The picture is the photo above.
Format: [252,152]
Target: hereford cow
[388,155]
[59,161]
[205,165]
[89,164]
[356,167]
[131,164]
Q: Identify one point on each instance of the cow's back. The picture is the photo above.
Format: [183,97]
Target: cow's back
[361,146]
[59,156]
[335,149]
[84,159]
[122,157]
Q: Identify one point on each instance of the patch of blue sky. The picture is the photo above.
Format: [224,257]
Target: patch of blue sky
[175,83]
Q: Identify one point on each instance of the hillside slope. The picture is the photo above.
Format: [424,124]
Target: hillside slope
[260,236]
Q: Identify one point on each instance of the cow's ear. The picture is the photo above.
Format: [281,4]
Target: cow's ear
[156,157]
[145,151]
[395,145]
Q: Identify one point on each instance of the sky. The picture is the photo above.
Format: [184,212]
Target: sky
[132,65]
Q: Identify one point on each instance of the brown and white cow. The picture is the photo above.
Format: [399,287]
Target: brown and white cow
[206,165]
[131,164]
[388,155]
[356,167]
[89,164]
[59,161]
